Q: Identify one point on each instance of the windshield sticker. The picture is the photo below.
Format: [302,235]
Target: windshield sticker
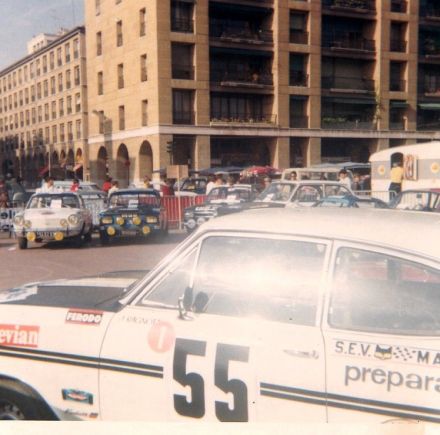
[18,294]
[77,396]
[386,352]
[161,337]
[84,317]
[19,335]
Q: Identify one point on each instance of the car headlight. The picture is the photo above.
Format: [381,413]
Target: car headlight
[189,214]
[120,220]
[27,224]
[19,220]
[73,219]
[63,222]
[151,219]
[107,220]
[136,220]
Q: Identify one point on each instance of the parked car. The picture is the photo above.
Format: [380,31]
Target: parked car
[191,186]
[350,201]
[221,200]
[305,315]
[417,200]
[133,212]
[53,217]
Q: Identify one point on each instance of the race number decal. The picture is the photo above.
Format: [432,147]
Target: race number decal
[196,407]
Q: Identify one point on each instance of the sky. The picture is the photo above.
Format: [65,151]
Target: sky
[20,20]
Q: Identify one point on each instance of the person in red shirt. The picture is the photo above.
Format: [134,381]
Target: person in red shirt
[75,185]
[107,184]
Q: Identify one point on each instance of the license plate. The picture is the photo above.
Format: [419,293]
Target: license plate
[129,232]
[45,234]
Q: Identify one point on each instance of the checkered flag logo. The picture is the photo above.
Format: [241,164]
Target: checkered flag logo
[403,353]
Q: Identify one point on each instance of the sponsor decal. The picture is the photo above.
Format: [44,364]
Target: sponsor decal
[77,396]
[387,352]
[76,413]
[17,294]
[138,320]
[19,335]
[161,337]
[84,317]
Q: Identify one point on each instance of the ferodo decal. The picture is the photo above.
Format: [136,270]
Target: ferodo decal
[386,352]
[77,396]
[19,335]
[84,317]
[161,337]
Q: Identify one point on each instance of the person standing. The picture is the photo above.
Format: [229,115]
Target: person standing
[114,188]
[211,184]
[344,179]
[396,176]
[107,184]
[75,185]
[4,196]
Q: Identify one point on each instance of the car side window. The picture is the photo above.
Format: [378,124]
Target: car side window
[307,194]
[374,292]
[335,190]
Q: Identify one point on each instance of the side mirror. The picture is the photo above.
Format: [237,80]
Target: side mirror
[185,303]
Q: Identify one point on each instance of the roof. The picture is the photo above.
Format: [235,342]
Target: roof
[403,230]
[429,150]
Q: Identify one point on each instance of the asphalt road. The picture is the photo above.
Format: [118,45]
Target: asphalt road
[41,262]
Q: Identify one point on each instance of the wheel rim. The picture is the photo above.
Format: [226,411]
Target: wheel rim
[9,411]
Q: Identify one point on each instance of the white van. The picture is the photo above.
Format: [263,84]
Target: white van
[421,166]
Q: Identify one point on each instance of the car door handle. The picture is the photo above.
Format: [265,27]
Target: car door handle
[302,354]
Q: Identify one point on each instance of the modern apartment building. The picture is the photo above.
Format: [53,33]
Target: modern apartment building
[43,106]
[270,82]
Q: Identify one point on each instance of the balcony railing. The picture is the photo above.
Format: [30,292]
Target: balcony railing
[247,118]
[429,84]
[236,33]
[182,25]
[354,5]
[298,78]
[299,121]
[429,48]
[183,72]
[228,77]
[397,85]
[352,83]
[397,124]
[399,6]
[343,122]
[428,125]
[348,42]
[299,37]
[398,45]
[430,11]
[181,117]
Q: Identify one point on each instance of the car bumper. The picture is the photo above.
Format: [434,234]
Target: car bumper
[47,235]
[143,230]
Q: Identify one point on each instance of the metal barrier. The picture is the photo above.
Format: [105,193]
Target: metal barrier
[384,195]
[171,204]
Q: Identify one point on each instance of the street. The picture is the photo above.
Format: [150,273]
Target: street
[42,262]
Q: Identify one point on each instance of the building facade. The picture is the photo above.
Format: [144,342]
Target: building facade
[43,107]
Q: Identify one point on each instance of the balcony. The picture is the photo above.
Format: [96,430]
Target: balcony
[183,117]
[399,6]
[345,122]
[242,118]
[185,25]
[239,33]
[358,6]
[398,45]
[183,72]
[351,84]
[397,85]
[430,12]
[241,78]
[298,78]
[299,121]
[299,37]
[348,41]
[430,84]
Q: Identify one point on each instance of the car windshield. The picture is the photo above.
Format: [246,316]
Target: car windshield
[277,192]
[228,194]
[54,201]
[133,200]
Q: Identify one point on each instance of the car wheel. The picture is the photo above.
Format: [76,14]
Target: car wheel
[103,237]
[16,403]
[22,242]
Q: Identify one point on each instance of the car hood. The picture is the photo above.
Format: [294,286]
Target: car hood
[94,292]
[38,213]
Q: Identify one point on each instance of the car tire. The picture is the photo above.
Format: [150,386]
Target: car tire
[104,238]
[21,403]
[22,243]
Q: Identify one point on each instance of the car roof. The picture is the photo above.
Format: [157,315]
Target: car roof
[406,230]
[307,182]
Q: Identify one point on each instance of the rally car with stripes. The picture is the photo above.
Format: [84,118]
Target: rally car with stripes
[304,315]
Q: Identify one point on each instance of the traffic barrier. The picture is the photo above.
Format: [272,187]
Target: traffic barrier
[171,204]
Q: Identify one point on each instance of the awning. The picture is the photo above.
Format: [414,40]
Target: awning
[398,104]
[43,171]
[77,166]
[429,106]
[354,101]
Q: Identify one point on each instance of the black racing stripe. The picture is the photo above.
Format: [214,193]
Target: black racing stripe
[89,362]
[294,398]
[292,390]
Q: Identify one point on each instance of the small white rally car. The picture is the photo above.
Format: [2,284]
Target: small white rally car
[303,315]
[53,217]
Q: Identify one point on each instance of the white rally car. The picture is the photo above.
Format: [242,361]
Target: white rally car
[53,217]
[312,314]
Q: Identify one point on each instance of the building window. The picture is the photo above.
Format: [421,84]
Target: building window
[40,114]
[121,118]
[54,109]
[76,48]
[78,129]
[59,57]
[70,131]
[100,83]
[52,85]
[46,88]
[61,107]
[144,68]
[77,76]
[60,82]
[69,105]
[68,82]
[67,52]
[182,17]
[97,7]
[51,61]
[38,68]
[46,112]
[77,103]
[142,22]
[183,106]
[182,61]
[54,134]
[39,91]
[62,137]
[44,67]
[119,39]
[101,118]
[98,44]
[144,110]
[120,76]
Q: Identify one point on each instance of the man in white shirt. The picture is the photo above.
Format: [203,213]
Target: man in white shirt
[344,178]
